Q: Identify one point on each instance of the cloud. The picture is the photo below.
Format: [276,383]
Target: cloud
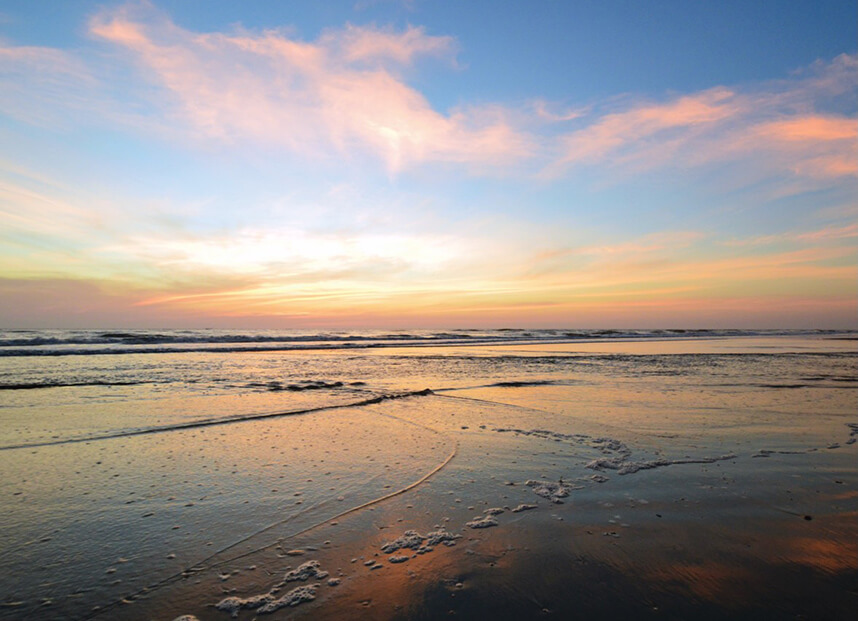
[337,93]
[552,113]
[615,134]
[346,94]
[828,235]
[653,242]
[809,129]
[797,126]
[679,263]
[40,232]
[33,79]
[360,44]
[284,254]
[349,93]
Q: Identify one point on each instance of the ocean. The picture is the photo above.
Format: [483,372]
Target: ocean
[153,474]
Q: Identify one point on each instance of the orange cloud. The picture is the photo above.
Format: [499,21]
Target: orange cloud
[654,242]
[672,264]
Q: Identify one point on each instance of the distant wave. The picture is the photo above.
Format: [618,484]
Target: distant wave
[522,383]
[58,384]
[95,342]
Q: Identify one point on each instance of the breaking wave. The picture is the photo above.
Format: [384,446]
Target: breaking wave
[99,342]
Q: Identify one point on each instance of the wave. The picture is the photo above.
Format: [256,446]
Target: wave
[95,342]
[59,384]
[521,384]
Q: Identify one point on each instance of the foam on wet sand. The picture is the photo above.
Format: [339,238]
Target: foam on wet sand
[553,491]
[421,544]
[310,569]
[482,521]
[269,602]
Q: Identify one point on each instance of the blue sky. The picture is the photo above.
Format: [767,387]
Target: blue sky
[582,164]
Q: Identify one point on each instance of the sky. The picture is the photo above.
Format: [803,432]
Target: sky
[382,164]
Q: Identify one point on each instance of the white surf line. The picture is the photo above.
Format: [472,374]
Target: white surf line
[211,422]
[201,566]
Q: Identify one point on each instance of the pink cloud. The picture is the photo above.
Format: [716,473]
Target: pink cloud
[335,93]
[614,132]
[809,128]
[550,113]
[773,130]
[370,44]
[345,94]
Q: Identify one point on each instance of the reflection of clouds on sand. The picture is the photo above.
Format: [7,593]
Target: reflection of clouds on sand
[821,554]
[725,584]
[781,551]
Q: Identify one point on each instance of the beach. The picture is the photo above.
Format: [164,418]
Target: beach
[481,474]
[404,311]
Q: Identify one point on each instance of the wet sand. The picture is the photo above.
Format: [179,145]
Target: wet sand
[575,495]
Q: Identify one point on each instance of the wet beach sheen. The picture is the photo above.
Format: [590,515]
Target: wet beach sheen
[662,475]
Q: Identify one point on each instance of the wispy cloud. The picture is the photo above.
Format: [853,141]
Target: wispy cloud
[293,255]
[784,127]
[680,262]
[373,45]
[554,113]
[33,80]
[347,94]
[625,134]
[831,234]
[337,92]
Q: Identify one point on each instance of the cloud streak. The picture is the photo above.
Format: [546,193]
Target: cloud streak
[779,128]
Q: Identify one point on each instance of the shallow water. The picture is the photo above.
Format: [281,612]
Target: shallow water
[161,479]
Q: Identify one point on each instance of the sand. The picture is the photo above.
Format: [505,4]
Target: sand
[608,493]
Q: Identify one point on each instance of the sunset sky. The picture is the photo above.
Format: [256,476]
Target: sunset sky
[428,164]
